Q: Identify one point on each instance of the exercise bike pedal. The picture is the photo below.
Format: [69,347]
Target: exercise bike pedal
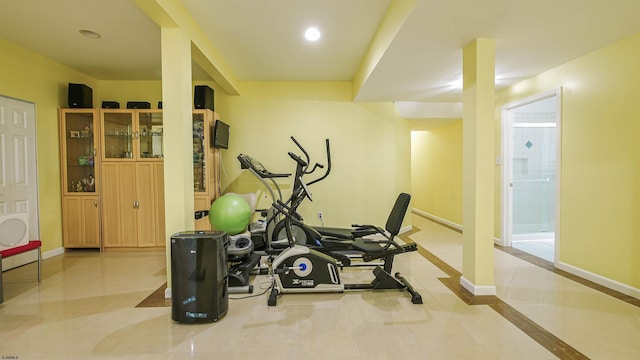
[273,297]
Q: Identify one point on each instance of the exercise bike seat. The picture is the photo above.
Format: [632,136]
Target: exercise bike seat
[367,246]
[365,230]
[374,249]
[340,233]
[354,232]
[334,243]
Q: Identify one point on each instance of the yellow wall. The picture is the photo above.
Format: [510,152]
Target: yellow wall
[27,76]
[124,91]
[370,146]
[370,142]
[436,171]
[30,77]
[600,166]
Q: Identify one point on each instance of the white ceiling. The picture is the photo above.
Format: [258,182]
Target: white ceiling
[262,40]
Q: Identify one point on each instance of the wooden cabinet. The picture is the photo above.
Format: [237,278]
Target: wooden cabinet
[113,176]
[81,222]
[150,204]
[205,165]
[80,174]
[133,178]
[133,204]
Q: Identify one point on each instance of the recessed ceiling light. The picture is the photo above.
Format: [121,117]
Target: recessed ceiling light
[312,34]
[89,34]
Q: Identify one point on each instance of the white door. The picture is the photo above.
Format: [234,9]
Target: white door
[18,170]
[531,174]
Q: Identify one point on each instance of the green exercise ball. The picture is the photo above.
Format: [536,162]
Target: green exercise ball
[230,213]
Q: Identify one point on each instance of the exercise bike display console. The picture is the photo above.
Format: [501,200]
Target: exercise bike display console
[247,162]
[301,269]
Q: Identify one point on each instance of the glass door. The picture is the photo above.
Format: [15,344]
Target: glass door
[149,131]
[531,175]
[117,134]
[199,152]
[79,152]
[534,181]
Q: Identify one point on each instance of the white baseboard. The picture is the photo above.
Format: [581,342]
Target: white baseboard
[600,280]
[405,229]
[608,283]
[478,290]
[52,253]
[438,219]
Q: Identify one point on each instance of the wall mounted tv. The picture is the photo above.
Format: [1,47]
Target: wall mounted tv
[220,135]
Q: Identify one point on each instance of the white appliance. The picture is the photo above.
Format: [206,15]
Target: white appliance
[14,230]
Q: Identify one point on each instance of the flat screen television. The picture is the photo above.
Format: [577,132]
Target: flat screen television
[220,135]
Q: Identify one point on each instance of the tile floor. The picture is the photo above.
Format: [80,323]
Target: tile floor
[544,249]
[85,308]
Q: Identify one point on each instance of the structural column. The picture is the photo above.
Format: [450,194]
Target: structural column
[478,166]
[178,146]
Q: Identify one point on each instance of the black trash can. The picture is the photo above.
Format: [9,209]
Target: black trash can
[199,276]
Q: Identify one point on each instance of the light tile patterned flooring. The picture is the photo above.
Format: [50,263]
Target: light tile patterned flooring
[543,249]
[85,308]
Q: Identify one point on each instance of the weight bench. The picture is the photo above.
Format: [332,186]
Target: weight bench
[32,245]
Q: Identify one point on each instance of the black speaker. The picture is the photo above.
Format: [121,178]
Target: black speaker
[80,96]
[199,276]
[138,105]
[203,97]
[110,105]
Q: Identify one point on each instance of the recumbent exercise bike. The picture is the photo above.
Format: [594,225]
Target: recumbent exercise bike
[302,269]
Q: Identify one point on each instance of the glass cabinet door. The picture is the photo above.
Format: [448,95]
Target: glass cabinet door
[80,151]
[199,178]
[150,134]
[117,131]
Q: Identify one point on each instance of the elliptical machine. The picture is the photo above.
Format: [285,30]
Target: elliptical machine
[301,269]
[272,230]
[329,237]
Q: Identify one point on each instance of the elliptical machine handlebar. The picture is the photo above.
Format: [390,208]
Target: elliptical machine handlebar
[298,159]
[304,165]
[306,154]
[328,165]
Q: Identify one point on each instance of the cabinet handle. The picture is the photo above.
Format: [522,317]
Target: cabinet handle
[95,203]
